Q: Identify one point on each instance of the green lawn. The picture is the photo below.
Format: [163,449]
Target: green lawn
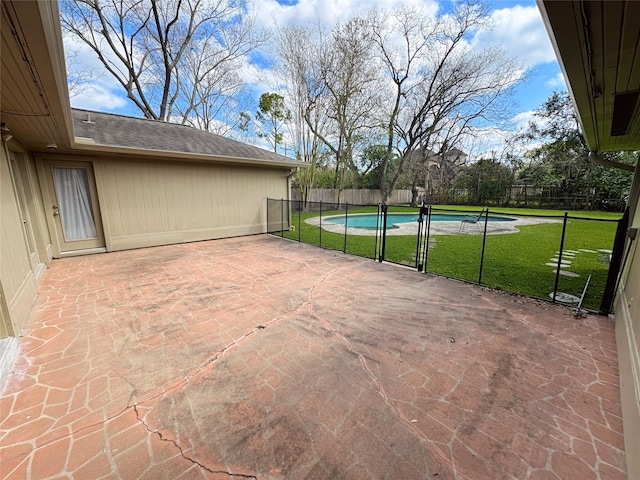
[536,212]
[513,262]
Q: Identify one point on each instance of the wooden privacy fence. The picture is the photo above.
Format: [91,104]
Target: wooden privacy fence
[352,196]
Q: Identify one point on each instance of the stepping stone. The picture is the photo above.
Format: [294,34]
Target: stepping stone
[567,274]
[568,262]
[586,250]
[556,264]
[565,297]
[605,250]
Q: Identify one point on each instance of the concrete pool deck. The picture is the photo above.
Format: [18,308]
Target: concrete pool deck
[437,227]
[262,358]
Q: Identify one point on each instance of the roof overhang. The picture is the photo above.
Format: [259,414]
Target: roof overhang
[598,47]
[88,147]
[34,99]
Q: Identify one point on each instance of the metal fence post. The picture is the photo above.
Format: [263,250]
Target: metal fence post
[321,223]
[615,264]
[564,230]
[375,245]
[418,264]
[299,221]
[385,209]
[346,219]
[484,242]
[268,215]
[426,241]
[282,218]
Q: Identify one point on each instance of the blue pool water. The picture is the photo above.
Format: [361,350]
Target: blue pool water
[370,220]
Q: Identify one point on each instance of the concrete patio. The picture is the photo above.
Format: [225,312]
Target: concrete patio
[256,357]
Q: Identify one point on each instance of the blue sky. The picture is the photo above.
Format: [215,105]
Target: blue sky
[518,29]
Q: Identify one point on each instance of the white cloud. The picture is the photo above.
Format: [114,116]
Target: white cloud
[327,13]
[518,30]
[495,142]
[260,79]
[98,97]
[98,90]
[487,142]
[522,119]
[557,81]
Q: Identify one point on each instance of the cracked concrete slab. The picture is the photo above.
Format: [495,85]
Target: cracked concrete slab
[259,358]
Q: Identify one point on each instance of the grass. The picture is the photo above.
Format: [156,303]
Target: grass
[513,262]
[538,212]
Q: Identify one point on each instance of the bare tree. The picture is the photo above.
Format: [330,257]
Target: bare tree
[211,85]
[296,51]
[173,58]
[438,84]
[335,83]
[79,79]
[349,74]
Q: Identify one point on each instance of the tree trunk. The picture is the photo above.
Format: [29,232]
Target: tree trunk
[414,193]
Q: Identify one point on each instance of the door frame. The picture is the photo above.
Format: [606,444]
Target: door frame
[44,166]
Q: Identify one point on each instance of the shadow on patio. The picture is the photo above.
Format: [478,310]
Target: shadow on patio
[260,358]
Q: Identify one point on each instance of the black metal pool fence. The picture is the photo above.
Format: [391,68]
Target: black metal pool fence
[551,262]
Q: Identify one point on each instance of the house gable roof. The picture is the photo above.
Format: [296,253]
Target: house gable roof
[98,131]
[427,154]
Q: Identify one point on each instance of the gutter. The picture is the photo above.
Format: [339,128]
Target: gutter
[596,158]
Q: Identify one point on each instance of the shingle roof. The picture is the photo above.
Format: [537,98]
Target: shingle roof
[112,130]
[457,152]
[426,154]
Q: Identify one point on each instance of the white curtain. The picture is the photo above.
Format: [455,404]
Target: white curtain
[76,212]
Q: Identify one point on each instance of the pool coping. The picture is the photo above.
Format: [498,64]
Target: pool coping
[436,228]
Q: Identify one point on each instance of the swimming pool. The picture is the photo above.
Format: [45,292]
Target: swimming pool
[371,220]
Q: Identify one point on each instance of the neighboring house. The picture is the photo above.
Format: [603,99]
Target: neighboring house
[438,170]
[74,182]
[441,169]
[597,46]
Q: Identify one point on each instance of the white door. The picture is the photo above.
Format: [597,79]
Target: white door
[74,206]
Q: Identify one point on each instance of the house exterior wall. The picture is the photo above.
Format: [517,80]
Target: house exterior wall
[627,315]
[23,243]
[147,203]
[34,208]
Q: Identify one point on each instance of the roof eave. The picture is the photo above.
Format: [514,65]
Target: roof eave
[50,14]
[575,81]
[84,145]
[34,50]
